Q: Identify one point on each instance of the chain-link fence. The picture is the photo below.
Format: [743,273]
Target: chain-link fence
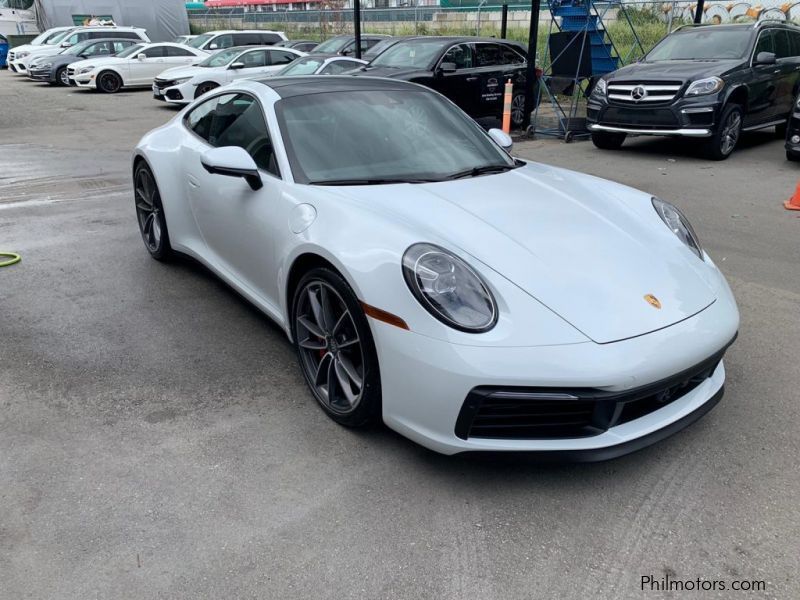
[634,27]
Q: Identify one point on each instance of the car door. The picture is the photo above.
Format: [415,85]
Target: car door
[142,71]
[175,56]
[789,64]
[489,69]
[763,98]
[254,64]
[237,223]
[461,85]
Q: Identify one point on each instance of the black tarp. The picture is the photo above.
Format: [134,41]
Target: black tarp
[163,19]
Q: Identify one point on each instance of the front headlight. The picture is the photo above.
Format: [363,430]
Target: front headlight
[180,81]
[44,65]
[600,88]
[679,225]
[23,54]
[449,288]
[702,87]
[85,70]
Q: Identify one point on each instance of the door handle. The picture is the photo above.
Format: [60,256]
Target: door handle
[472,79]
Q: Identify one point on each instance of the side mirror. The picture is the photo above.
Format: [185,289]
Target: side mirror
[237,65]
[213,46]
[83,56]
[140,56]
[766,58]
[232,161]
[66,44]
[447,67]
[502,139]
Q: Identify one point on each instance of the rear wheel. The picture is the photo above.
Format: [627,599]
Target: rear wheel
[607,140]
[721,144]
[150,213]
[335,348]
[109,82]
[204,88]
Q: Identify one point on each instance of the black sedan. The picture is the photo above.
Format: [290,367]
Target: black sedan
[302,45]
[470,71]
[53,68]
[346,44]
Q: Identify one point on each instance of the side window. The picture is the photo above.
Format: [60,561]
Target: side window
[339,66]
[511,57]
[246,39]
[98,49]
[781,39]
[120,46]
[251,60]
[488,55]
[174,51]
[765,42]
[222,41]
[281,57]
[369,43]
[235,120]
[130,35]
[154,52]
[270,38]
[461,55]
[73,39]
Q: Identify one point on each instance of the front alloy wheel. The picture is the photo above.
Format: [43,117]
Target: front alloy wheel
[721,144]
[335,348]
[109,82]
[62,76]
[150,214]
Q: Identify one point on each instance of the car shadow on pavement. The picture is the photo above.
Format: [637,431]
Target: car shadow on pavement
[693,148]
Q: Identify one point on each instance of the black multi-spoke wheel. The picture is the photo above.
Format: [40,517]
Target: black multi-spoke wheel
[150,213]
[109,82]
[335,348]
[204,88]
[722,142]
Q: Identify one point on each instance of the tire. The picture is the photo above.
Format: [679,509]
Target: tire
[109,82]
[608,141]
[792,156]
[725,137]
[61,77]
[150,213]
[326,319]
[518,107]
[204,88]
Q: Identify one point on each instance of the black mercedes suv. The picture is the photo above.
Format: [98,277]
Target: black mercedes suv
[709,82]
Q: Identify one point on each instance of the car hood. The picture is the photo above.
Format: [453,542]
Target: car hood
[683,70]
[98,62]
[588,249]
[178,72]
[43,50]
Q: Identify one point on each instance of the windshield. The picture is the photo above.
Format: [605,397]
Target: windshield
[331,46]
[200,40]
[221,58]
[376,136]
[131,51]
[704,43]
[302,66]
[58,37]
[77,48]
[378,48]
[415,55]
[42,37]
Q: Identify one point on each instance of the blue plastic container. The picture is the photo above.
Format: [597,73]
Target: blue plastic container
[3,52]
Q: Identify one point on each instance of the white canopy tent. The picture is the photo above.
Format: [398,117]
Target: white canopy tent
[163,19]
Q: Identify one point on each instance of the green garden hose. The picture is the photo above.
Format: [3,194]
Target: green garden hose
[12,257]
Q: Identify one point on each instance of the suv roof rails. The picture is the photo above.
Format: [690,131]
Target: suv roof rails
[774,22]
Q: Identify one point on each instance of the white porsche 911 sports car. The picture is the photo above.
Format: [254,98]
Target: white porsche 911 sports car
[470,300]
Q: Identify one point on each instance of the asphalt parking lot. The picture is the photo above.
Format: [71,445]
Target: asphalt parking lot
[157,439]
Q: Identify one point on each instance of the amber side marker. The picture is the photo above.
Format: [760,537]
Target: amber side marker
[382,315]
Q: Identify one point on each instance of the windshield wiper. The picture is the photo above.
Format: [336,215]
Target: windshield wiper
[484,170]
[376,181]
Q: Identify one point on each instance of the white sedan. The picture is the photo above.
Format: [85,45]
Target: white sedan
[181,85]
[470,300]
[135,67]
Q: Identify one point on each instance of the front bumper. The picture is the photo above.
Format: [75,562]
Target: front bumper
[41,75]
[426,407]
[173,94]
[693,117]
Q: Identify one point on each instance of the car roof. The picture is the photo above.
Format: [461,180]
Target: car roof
[224,31]
[304,85]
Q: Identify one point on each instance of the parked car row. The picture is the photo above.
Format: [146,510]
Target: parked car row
[705,82]
[470,71]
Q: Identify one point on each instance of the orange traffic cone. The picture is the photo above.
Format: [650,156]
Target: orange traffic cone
[793,203]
